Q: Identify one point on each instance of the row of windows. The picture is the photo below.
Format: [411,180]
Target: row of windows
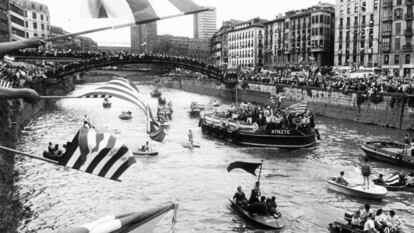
[386,42]
[356,22]
[242,35]
[407,59]
[357,8]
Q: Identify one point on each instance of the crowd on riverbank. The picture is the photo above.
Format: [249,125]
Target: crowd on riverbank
[369,83]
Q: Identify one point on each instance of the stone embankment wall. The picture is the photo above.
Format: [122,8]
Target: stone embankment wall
[15,114]
[393,110]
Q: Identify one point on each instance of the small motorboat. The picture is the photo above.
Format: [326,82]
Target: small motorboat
[389,152]
[214,103]
[188,145]
[125,116]
[391,183]
[262,221]
[107,105]
[156,93]
[196,108]
[337,227]
[47,155]
[150,153]
[374,192]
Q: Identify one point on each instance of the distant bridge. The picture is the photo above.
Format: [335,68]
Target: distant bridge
[76,64]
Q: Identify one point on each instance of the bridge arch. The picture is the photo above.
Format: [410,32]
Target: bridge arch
[180,62]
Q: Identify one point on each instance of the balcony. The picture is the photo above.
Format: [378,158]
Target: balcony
[387,3]
[387,18]
[341,26]
[408,32]
[340,40]
[408,47]
[348,26]
[397,17]
[409,16]
[409,2]
[363,25]
[386,33]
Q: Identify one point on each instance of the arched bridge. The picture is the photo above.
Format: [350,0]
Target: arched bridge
[88,63]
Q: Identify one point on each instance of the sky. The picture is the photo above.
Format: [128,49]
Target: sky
[66,14]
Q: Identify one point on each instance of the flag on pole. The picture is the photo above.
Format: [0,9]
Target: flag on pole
[96,153]
[248,167]
[138,11]
[297,108]
[126,90]
[140,222]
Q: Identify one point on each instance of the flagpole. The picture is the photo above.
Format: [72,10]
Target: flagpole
[29,155]
[260,172]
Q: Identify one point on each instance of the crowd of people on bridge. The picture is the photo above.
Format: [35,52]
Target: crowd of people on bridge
[369,83]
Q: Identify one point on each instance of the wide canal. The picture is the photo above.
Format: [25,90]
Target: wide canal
[196,179]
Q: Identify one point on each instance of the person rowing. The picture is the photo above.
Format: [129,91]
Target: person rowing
[145,147]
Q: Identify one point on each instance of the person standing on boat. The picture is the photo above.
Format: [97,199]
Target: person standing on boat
[255,194]
[190,137]
[366,172]
[407,139]
[86,122]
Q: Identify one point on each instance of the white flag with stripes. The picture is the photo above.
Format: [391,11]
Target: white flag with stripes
[124,89]
[138,11]
[297,108]
[97,153]
[6,84]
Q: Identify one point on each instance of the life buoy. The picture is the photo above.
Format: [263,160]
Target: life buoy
[255,126]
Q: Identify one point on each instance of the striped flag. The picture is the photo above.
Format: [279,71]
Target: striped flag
[138,11]
[96,153]
[6,84]
[140,222]
[126,90]
[297,108]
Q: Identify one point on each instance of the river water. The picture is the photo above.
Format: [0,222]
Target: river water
[196,179]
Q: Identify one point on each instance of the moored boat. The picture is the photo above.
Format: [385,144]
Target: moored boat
[251,135]
[196,108]
[389,152]
[261,221]
[374,192]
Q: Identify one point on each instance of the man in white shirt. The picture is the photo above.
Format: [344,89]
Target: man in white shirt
[369,226]
[393,221]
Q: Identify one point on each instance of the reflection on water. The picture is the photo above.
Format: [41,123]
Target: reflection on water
[198,178]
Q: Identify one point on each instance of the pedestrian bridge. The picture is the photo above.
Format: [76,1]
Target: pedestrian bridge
[79,65]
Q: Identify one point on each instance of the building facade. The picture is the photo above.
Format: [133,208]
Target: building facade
[245,44]
[219,43]
[357,33]
[17,20]
[76,43]
[37,20]
[143,37]
[205,24]
[182,46]
[396,37]
[301,37]
[4,21]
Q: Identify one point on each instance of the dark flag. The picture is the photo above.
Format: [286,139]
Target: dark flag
[248,167]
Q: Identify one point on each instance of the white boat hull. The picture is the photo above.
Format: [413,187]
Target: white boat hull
[374,192]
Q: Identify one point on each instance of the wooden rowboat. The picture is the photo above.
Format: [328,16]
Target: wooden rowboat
[149,153]
[374,192]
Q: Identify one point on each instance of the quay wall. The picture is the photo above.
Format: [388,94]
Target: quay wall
[390,110]
[14,115]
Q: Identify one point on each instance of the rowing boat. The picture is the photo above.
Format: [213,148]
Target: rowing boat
[374,192]
[262,221]
[194,145]
[150,153]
